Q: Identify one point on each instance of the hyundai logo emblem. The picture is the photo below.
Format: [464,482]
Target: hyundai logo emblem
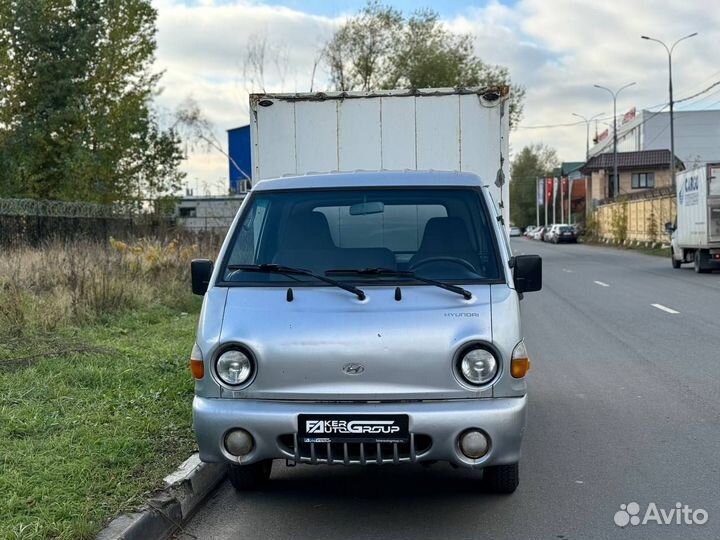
[353,369]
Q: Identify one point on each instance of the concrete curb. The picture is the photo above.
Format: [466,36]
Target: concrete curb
[185,489]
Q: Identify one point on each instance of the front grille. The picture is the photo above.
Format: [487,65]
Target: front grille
[355,453]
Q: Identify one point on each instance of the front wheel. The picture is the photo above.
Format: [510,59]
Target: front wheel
[675,262]
[501,479]
[250,477]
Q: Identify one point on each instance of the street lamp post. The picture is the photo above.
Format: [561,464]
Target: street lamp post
[670,88]
[587,131]
[616,180]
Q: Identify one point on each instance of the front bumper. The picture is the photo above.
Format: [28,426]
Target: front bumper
[272,422]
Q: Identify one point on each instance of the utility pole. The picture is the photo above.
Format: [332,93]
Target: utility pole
[670,89]
[562,202]
[537,202]
[587,131]
[545,198]
[616,180]
[554,192]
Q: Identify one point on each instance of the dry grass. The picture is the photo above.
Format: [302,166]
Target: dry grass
[42,289]
[95,390]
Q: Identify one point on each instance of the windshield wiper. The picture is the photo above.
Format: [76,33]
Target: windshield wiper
[288,271]
[401,273]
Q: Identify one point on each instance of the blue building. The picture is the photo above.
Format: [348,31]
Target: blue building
[240,165]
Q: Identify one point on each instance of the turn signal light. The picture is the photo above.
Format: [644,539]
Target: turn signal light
[197,367]
[520,362]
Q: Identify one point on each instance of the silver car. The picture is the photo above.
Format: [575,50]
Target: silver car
[362,319]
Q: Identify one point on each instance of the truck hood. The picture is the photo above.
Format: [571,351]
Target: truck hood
[328,345]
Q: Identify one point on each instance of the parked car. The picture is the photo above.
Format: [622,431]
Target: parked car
[546,233]
[530,231]
[561,232]
[538,234]
[515,231]
[323,338]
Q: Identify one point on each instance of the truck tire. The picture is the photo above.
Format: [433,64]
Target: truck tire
[250,477]
[675,262]
[501,479]
[698,263]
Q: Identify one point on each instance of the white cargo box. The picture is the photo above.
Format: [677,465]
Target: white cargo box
[698,207]
[437,129]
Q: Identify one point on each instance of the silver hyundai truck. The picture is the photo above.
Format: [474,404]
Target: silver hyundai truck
[364,318]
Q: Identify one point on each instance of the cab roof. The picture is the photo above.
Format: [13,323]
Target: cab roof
[371,179]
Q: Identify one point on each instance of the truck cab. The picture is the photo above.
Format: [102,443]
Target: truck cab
[366,318]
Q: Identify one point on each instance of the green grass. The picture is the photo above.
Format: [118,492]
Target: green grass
[91,420]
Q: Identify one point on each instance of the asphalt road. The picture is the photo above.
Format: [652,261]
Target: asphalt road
[625,407]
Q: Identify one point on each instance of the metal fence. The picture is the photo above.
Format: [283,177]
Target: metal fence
[33,222]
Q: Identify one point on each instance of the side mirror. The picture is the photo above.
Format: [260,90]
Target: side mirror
[528,273]
[669,228]
[200,272]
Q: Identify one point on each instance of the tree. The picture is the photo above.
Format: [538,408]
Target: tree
[531,163]
[380,49]
[358,53]
[261,53]
[76,120]
[197,129]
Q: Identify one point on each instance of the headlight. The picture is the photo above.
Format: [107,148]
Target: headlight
[478,366]
[233,367]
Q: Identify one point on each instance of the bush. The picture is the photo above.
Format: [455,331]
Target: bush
[619,225]
[79,282]
[652,228]
[592,227]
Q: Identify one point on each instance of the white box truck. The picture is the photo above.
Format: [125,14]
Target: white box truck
[696,232]
[434,129]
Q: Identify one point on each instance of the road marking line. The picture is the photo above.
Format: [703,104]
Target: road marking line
[568,271]
[601,283]
[665,309]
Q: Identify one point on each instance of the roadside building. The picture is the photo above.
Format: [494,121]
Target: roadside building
[240,165]
[207,213]
[638,172]
[577,189]
[697,135]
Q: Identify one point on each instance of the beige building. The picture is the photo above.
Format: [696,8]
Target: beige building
[638,171]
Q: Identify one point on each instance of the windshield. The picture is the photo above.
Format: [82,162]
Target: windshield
[442,234]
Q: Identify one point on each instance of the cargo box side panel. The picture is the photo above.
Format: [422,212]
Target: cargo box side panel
[398,133]
[713,204]
[692,225]
[483,139]
[316,136]
[438,132]
[359,134]
[273,136]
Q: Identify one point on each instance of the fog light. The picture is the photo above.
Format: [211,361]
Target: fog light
[474,444]
[238,442]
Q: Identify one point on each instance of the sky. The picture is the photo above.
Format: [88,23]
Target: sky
[556,49]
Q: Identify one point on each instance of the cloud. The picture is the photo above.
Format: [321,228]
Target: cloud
[557,49]
[202,50]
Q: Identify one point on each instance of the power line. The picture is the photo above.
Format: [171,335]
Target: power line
[694,103]
[547,126]
[664,105]
[713,85]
